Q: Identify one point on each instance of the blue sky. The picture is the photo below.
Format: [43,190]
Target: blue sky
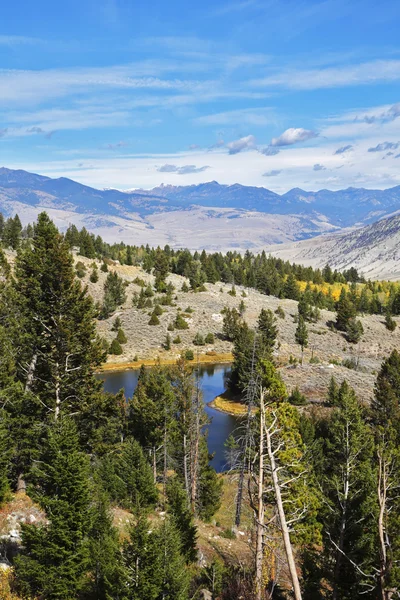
[127,94]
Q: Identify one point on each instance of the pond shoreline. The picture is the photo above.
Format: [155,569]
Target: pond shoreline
[203,359]
[229,404]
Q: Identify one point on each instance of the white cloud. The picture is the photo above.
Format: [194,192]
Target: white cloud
[184,170]
[244,143]
[344,149]
[246,116]
[383,146]
[293,136]
[377,71]
[272,173]
[319,167]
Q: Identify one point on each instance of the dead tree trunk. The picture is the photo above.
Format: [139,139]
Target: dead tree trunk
[281,511]
[260,512]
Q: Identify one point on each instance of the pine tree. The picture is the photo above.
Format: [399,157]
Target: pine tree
[267,325]
[385,413]
[107,579]
[345,311]
[156,567]
[354,330]
[348,486]
[115,348]
[143,560]
[114,294]
[333,392]
[56,340]
[55,557]
[291,288]
[390,323]
[4,458]
[12,233]
[182,518]
[161,270]
[121,337]
[301,335]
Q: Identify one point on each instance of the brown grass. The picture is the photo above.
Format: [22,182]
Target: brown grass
[204,359]
[229,403]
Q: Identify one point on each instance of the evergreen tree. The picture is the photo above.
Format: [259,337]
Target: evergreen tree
[333,392]
[156,566]
[243,355]
[385,413]
[55,337]
[291,288]
[301,335]
[55,557]
[114,294]
[182,517]
[115,348]
[161,270]
[107,579]
[121,337]
[12,233]
[348,486]
[345,311]
[267,325]
[390,323]
[4,458]
[354,330]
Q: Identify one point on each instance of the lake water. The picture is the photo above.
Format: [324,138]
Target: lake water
[212,382]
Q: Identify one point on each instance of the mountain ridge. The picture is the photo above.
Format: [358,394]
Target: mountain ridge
[213,216]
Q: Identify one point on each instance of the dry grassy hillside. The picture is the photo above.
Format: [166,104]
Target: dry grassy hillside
[145,342]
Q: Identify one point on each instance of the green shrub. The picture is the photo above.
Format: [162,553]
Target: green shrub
[350,363]
[115,347]
[167,343]
[198,340]
[148,303]
[297,398]
[139,282]
[180,322]
[185,287]
[232,291]
[121,337]
[189,355]
[171,327]
[94,275]
[154,320]
[280,312]
[228,534]
[158,310]
[104,267]
[117,324]
[80,269]
[148,292]
[209,339]
[177,340]
[188,310]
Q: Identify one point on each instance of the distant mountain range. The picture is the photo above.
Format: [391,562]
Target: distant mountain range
[374,250]
[209,215]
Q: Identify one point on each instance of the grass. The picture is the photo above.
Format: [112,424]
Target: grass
[229,403]
[207,358]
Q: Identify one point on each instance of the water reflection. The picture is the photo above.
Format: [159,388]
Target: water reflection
[212,382]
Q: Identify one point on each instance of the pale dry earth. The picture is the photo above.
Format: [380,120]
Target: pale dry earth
[328,347]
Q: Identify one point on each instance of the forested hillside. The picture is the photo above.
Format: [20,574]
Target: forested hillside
[118,497]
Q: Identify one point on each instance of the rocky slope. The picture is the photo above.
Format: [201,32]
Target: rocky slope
[374,250]
[208,216]
[326,346]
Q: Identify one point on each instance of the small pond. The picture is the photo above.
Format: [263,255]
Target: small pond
[212,382]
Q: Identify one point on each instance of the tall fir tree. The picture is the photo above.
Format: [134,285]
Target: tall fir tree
[55,556]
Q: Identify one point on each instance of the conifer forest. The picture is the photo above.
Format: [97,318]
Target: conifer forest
[124,501]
